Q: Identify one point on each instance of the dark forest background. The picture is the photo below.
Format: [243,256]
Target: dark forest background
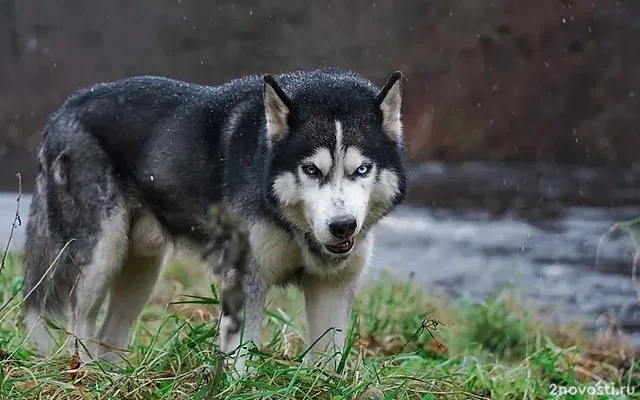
[501,80]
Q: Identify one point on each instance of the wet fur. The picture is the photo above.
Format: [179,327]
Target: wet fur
[130,169]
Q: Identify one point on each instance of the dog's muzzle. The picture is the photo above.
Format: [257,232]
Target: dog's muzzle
[342,229]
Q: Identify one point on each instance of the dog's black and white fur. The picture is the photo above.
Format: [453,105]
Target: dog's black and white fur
[311,160]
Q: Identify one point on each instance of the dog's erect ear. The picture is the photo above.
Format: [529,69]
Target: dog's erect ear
[277,107]
[389,101]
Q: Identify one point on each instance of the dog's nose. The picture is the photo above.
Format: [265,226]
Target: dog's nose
[343,228]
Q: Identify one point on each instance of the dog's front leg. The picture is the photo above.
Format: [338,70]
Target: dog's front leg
[328,308]
[231,335]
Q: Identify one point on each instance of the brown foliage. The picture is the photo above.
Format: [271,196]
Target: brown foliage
[491,80]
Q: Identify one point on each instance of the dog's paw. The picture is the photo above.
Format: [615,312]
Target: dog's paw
[236,365]
[116,359]
[323,361]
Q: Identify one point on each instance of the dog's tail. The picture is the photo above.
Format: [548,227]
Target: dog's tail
[44,295]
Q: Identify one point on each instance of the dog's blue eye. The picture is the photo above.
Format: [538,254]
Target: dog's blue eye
[310,170]
[363,169]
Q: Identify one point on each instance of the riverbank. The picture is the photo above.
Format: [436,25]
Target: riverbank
[403,345]
[472,230]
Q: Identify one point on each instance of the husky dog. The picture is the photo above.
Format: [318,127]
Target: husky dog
[310,160]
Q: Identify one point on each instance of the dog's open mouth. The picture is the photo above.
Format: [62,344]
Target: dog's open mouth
[340,248]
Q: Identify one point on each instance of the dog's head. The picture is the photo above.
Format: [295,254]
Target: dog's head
[337,155]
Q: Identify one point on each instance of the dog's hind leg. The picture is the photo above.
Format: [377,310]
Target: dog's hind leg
[94,280]
[128,295]
[132,286]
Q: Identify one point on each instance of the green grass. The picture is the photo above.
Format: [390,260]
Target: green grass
[403,345]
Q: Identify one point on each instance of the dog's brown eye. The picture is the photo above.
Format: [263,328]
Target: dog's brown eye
[310,170]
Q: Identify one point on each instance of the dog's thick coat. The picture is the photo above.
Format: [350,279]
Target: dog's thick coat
[311,160]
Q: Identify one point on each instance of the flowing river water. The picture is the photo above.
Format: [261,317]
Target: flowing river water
[473,229]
